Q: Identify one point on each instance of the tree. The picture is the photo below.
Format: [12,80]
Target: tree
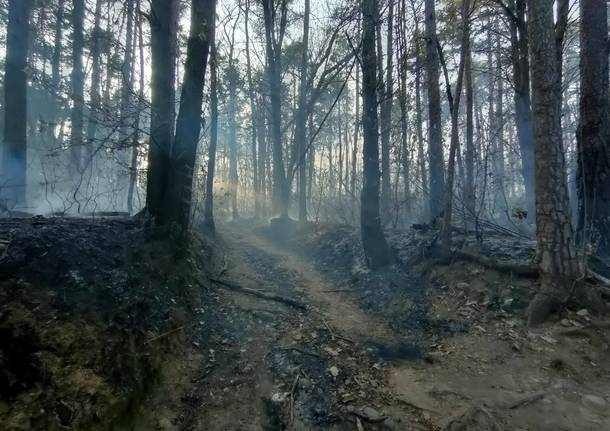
[273,44]
[386,111]
[163,35]
[14,157]
[208,211]
[557,259]
[188,123]
[593,136]
[301,116]
[374,243]
[435,139]
[454,106]
[78,87]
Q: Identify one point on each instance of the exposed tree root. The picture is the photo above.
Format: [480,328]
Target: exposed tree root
[261,294]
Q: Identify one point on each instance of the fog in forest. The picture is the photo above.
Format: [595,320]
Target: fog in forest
[304,215]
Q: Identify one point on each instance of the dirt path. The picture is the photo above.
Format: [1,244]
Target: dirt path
[264,365]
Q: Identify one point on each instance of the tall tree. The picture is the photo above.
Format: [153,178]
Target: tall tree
[435,139]
[14,157]
[78,86]
[301,116]
[558,263]
[374,243]
[593,136]
[469,191]
[386,112]
[253,116]
[163,35]
[454,105]
[273,43]
[188,123]
[96,52]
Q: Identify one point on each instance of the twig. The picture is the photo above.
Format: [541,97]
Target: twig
[261,294]
[150,340]
[526,400]
[297,349]
[292,390]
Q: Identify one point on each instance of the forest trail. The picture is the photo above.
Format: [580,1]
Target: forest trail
[263,364]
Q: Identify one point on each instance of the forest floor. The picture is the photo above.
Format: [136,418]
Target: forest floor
[273,327]
[417,346]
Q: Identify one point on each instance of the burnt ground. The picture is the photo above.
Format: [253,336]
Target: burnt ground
[417,346]
[81,304]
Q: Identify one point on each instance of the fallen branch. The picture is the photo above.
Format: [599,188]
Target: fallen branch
[603,282]
[297,349]
[260,294]
[524,401]
[510,267]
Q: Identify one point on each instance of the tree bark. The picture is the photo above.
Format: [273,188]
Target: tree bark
[593,136]
[373,240]
[14,157]
[558,262]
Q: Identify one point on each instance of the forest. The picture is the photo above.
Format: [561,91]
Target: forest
[304,215]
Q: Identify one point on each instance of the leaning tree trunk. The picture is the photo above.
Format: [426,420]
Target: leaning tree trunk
[593,135]
[435,138]
[559,267]
[373,241]
[208,210]
[188,123]
[14,157]
[163,34]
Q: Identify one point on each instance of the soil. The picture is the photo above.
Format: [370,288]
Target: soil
[417,346]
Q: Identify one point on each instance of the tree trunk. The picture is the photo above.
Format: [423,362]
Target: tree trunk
[593,176]
[558,262]
[454,103]
[469,191]
[135,147]
[208,212]
[386,116]
[163,34]
[188,123]
[373,241]
[95,102]
[253,118]
[435,138]
[273,44]
[14,157]
[78,88]
[523,106]
[301,118]
[126,109]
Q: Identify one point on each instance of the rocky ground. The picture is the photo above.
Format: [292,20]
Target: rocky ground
[283,327]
